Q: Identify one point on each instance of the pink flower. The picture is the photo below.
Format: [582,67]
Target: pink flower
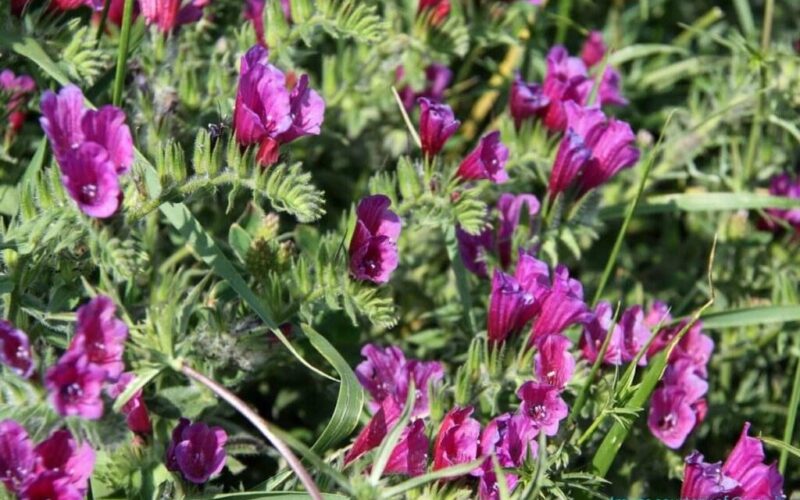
[17,460]
[75,385]
[744,474]
[696,347]
[542,404]
[682,374]
[566,81]
[486,161]
[658,315]
[437,78]
[91,180]
[436,124]
[439,9]
[169,14]
[594,49]
[457,440]
[49,486]
[373,247]
[410,455]
[61,454]
[786,186]
[510,307]
[100,336]
[488,487]
[526,100]
[17,89]
[196,451]
[610,88]
[671,416]
[386,374]
[136,415]
[561,306]
[15,350]
[571,158]
[553,362]
[511,438]
[595,332]
[635,334]
[307,110]
[379,425]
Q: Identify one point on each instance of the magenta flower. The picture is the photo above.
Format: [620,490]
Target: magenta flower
[474,248]
[510,208]
[61,454]
[510,307]
[610,89]
[542,404]
[511,438]
[526,100]
[307,110]
[386,373]
[635,334]
[17,459]
[683,375]
[488,487]
[671,417]
[486,161]
[571,158]
[50,485]
[17,89]
[75,385]
[169,14]
[15,350]
[196,451]
[553,363]
[594,49]
[696,347]
[90,179]
[410,455]
[379,425]
[782,185]
[566,81]
[68,125]
[595,332]
[100,336]
[254,12]
[436,124]
[743,474]
[658,315]
[437,78]
[136,415]
[561,306]
[667,334]
[457,440]
[438,9]
[373,247]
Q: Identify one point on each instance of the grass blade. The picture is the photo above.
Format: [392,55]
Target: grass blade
[122,55]
[701,202]
[415,482]
[143,377]
[791,414]
[751,316]
[389,442]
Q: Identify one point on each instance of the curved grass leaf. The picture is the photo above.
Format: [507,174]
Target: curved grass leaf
[700,202]
[777,443]
[350,400]
[143,377]
[393,436]
[751,316]
[642,50]
[416,482]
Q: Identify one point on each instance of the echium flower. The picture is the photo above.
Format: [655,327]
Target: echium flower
[136,415]
[553,363]
[526,100]
[436,124]
[595,332]
[386,374]
[514,300]
[671,417]
[782,185]
[17,460]
[16,89]
[511,438]
[75,386]
[196,450]
[744,474]
[100,336]
[592,52]
[373,246]
[169,14]
[566,81]
[457,440]
[593,150]
[486,161]
[92,148]
[543,406]
[15,350]
[267,113]
[562,305]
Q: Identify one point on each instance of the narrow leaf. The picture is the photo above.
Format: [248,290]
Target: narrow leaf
[751,316]
[701,202]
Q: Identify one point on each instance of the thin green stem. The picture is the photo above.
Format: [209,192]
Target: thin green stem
[791,417]
[564,6]
[122,55]
[755,129]
[260,424]
[101,26]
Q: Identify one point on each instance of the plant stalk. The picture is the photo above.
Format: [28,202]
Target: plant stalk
[122,55]
[791,416]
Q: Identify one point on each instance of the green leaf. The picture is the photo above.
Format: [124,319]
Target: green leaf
[350,400]
[415,482]
[143,377]
[31,49]
[705,202]
[239,240]
[642,50]
[777,443]
[751,316]
[386,448]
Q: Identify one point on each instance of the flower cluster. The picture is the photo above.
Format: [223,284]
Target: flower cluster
[58,467]
[373,246]
[93,358]
[93,148]
[267,112]
[743,475]
[16,90]
[196,451]
[777,218]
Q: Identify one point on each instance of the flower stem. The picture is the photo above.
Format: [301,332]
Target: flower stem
[122,55]
[758,119]
[791,416]
[101,26]
[259,423]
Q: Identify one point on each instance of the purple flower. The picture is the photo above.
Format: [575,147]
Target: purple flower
[486,161]
[571,158]
[510,438]
[566,81]
[635,334]
[373,247]
[474,248]
[168,14]
[658,315]
[436,124]
[410,455]
[17,460]
[49,486]
[782,185]
[510,207]
[609,92]
[196,451]
[594,49]
[553,363]
[542,404]
[457,440]
[671,417]
[379,425]
[439,10]
[595,332]
[15,350]
[682,374]
[307,110]
[437,77]
[744,473]
[75,385]
[17,89]
[696,347]
[488,487]
[514,300]
[136,415]
[526,100]
[561,306]
[68,125]
[61,454]
[100,336]
[90,179]
[386,373]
